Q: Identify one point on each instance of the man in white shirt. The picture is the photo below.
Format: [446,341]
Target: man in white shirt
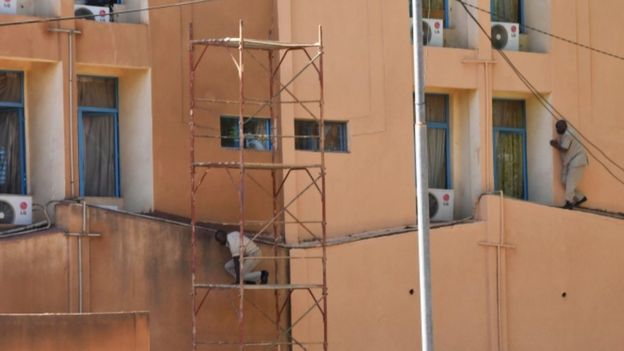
[251,251]
[574,160]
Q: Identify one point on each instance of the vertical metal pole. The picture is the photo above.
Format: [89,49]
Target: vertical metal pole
[241,188]
[276,228]
[80,270]
[192,174]
[421,175]
[323,187]
[70,60]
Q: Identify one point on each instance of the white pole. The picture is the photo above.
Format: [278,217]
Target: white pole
[421,174]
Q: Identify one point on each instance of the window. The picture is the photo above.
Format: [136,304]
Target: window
[97,2]
[437,114]
[433,9]
[98,133]
[508,11]
[510,147]
[12,139]
[257,133]
[307,136]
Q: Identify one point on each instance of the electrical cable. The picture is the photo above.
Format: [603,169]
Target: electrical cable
[543,101]
[541,31]
[121,12]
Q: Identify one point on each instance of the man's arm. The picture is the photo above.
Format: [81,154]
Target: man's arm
[554,143]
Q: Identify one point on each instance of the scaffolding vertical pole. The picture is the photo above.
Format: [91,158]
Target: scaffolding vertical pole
[422,173]
[276,227]
[241,189]
[323,185]
[192,180]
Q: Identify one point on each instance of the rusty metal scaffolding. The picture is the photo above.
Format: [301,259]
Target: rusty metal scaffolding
[239,48]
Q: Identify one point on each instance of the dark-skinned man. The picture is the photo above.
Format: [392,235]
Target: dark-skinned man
[251,251]
[573,162]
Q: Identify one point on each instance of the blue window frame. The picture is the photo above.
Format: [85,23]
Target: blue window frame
[307,136]
[12,134]
[98,136]
[438,140]
[508,11]
[257,133]
[445,8]
[510,163]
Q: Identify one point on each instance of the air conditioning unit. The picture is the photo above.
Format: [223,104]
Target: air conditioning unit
[15,209]
[97,13]
[441,205]
[433,32]
[505,36]
[17,7]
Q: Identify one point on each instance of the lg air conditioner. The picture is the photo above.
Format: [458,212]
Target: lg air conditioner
[97,13]
[441,205]
[15,209]
[433,32]
[17,7]
[505,36]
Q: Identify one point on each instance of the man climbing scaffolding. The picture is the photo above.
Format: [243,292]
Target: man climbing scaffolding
[250,261]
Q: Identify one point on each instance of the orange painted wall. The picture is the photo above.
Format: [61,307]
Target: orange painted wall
[135,264]
[555,252]
[72,332]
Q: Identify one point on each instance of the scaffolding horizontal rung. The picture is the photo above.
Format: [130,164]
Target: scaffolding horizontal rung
[252,165]
[260,287]
[256,101]
[253,44]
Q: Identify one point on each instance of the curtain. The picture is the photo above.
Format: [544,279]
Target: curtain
[99,154]
[505,10]
[97,92]
[10,157]
[436,144]
[436,108]
[510,163]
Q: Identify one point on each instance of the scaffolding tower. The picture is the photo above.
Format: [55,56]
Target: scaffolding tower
[280,286]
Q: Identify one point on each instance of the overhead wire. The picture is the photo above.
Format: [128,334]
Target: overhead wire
[545,103]
[541,31]
[121,12]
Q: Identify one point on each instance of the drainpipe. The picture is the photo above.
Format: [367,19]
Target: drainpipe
[422,178]
[70,63]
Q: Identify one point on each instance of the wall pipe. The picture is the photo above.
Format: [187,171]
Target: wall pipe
[70,64]
[421,174]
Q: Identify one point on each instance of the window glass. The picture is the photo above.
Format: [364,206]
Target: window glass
[508,113]
[10,87]
[99,154]
[10,152]
[98,138]
[510,147]
[431,9]
[506,11]
[97,92]
[308,138]
[257,133]
[436,114]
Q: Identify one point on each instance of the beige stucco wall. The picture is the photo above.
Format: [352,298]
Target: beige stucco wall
[135,264]
[559,284]
[73,332]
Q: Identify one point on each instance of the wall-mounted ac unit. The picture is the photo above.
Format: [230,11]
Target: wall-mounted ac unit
[441,205]
[433,32]
[505,36]
[97,13]
[17,7]
[15,209]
